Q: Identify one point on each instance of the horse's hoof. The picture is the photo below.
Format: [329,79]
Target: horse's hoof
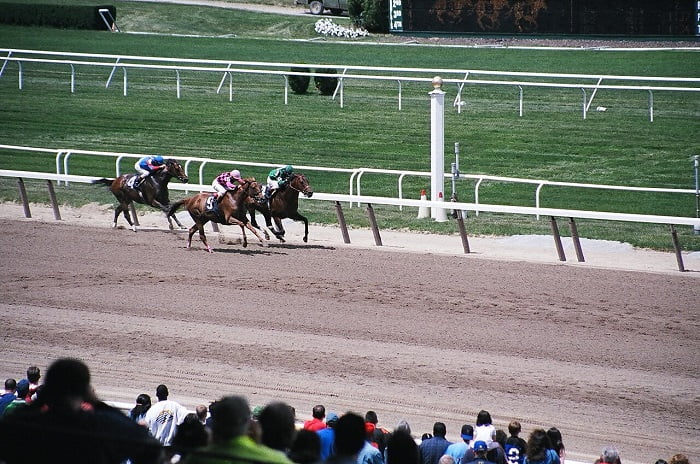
[306,239]
[210,250]
[133,228]
[114,226]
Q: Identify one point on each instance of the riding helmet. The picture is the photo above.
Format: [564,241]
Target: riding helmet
[159,159]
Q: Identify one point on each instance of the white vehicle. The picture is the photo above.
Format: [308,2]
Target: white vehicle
[317,7]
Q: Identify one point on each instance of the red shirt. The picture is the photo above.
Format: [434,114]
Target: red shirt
[314,425]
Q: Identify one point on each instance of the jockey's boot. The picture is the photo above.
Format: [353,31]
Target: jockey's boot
[137,182]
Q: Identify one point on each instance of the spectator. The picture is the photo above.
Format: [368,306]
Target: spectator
[496,452]
[459,450]
[404,425]
[349,439]
[138,412]
[516,447]
[68,424]
[163,417]
[316,423]
[20,400]
[33,375]
[539,449]
[380,434]
[327,436]
[189,436]
[610,455]
[432,449]
[276,422]
[480,449]
[401,448]
[658,461]
[446,459]
[230,421]
[306,447]
[10,394]
[369,454]
[675,459]
[484,428]
[557,443]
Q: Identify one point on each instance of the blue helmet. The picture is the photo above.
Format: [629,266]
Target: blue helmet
[158,159]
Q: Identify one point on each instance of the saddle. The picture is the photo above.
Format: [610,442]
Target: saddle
[211,205]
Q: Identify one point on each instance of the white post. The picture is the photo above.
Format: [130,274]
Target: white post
[437,148]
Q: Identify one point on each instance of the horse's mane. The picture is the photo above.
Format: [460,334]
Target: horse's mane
[249,179]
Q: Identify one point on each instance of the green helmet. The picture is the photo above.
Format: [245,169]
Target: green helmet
[288,169]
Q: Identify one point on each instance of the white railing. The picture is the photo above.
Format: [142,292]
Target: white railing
[62,157]
[458,77]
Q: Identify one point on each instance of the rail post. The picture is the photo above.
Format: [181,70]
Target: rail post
[437,148]
[696,164]
[373,224]
[23,196]
[341,222]
[677,248]
[54,203]
[577,242]
[557,239]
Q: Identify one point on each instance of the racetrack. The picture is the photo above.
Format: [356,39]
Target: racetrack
[606,356]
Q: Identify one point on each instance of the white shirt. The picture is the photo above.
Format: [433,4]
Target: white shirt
[163,418]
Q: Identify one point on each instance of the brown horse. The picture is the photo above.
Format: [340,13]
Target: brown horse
[231,209]
[284,204]
[153,191]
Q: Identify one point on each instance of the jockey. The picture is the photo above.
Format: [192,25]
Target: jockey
[146,166]
[278,178]
[225,182]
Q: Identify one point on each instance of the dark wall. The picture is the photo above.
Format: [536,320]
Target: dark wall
[618,17]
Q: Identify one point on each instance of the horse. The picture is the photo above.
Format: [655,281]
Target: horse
[230,210]
[153,191]
[284,204]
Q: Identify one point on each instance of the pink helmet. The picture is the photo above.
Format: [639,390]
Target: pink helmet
[236,174]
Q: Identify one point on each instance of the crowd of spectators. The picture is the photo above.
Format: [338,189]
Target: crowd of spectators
[62,420]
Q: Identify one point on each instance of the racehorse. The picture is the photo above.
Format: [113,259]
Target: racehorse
[231,209]
[153,191]
[284,204]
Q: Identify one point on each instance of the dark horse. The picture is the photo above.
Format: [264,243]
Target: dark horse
[284,204]
[153,191]
[231,209]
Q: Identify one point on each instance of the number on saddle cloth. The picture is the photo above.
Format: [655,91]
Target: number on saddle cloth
[132,180]
[211,204]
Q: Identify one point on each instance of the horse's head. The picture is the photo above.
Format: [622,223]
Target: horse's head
[175,169]
[300,183]
[253,189]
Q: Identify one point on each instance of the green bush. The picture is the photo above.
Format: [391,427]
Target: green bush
[61,16]
[326,85]
[299,84]
[372,15]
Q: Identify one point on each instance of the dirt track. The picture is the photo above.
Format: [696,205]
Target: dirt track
[606,356]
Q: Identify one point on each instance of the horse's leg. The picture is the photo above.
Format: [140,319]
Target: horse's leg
[204,237]
[193,229]
[298,217]
[255,231]
[279,229]
[127,216]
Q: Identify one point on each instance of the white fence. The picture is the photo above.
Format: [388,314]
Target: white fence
[460,77]
[62,158]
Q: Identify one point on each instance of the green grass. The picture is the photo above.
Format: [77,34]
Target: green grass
[551,141]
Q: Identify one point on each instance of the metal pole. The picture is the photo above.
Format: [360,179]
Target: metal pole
[437,148]
[696,163]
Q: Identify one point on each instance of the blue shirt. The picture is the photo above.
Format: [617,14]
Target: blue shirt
[327,437]
[6,399]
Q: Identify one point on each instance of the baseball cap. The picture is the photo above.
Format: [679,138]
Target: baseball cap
[331,417]
[480,446]
[467,432]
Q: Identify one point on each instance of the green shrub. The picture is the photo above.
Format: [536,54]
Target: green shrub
[326,85]
[299,84]
[61,16]
[372,15]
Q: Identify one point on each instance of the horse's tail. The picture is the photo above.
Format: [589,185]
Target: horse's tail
[104,181]
[175,206]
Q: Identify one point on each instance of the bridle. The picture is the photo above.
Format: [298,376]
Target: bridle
[303,192]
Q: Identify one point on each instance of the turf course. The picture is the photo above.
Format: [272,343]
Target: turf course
[551,141]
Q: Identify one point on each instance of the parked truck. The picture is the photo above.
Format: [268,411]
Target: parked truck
[317,7]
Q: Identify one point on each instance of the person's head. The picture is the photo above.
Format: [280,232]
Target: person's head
[201,411]
[480,448]
[439,429]
[555,439]
[287,170]
[661,461]
[22,388]
[144,400]
[277,425]
[401,448]
[229,418]
[331,419]
[67,382]
[190,434]
[483,418]
[33,374]
[349,434]
[514,428]
[10,385]
[537,445]
[371,417]
[500,436]
[678,459]
[610,455]
[403,426]
[318,412]
[467,433]
[162,392]
[236,174]
[305,448]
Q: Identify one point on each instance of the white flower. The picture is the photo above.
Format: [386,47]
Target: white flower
[326,27]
